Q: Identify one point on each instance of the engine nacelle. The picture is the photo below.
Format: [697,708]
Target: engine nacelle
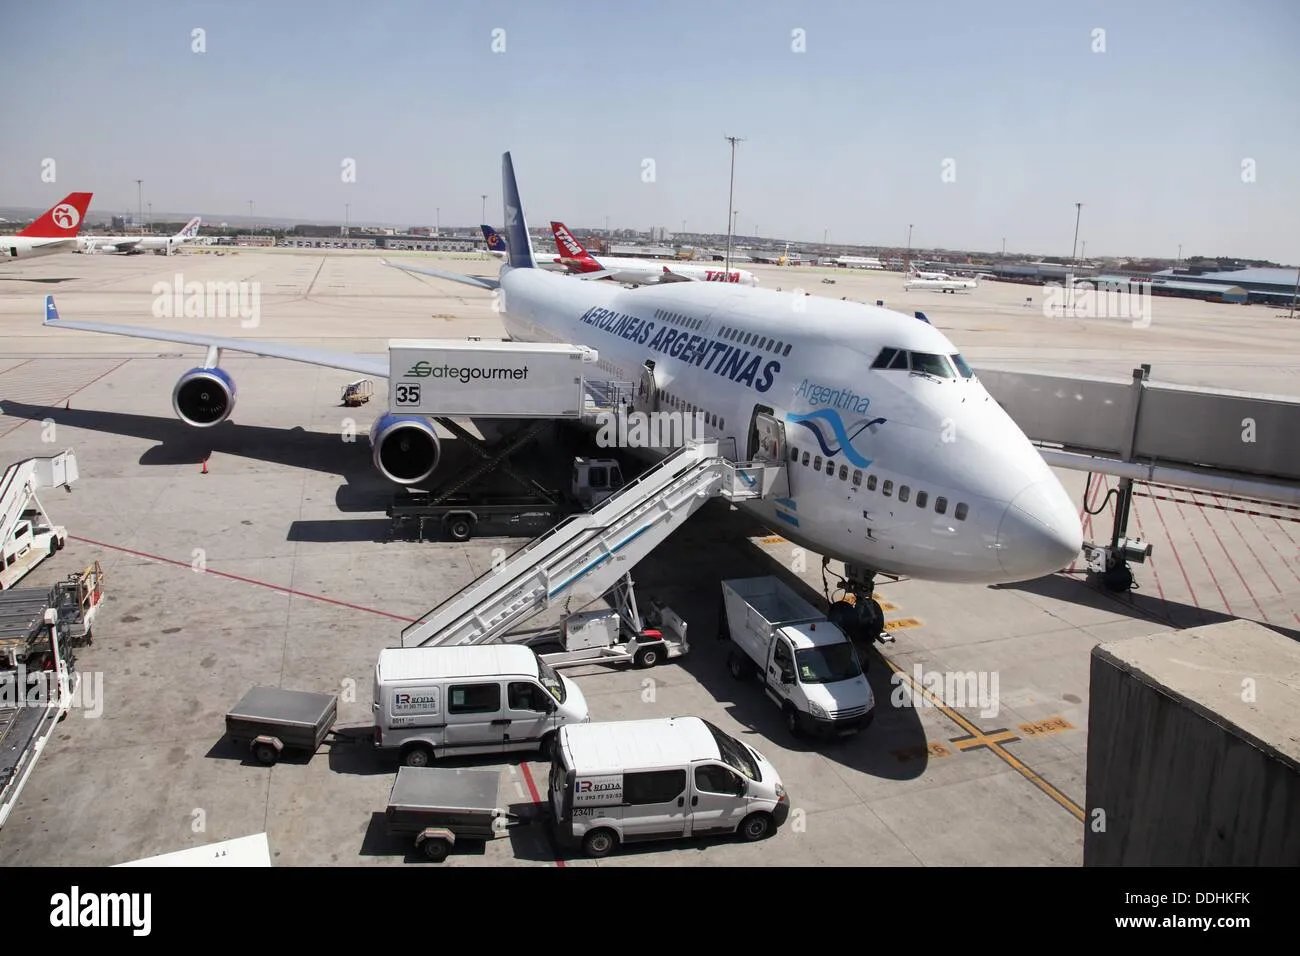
[405,448]
[204,397]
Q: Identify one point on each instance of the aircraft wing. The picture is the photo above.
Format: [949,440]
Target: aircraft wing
[460,277]
[124,245]
[59,244]
[362,364]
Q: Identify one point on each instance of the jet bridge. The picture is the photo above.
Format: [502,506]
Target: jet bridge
[584,557]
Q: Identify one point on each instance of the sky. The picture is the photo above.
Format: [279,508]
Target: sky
[1174,122]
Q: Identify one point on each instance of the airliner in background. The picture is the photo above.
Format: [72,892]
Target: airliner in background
[497,247]
[941,285]
[55,230]
[131,245]
[638,271]
[899,460]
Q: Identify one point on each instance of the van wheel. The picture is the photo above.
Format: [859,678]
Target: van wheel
[792,721]
[459,529]
[599,843]
[418,756]
[736,666]
[547,748]
[648,656]
[756,826]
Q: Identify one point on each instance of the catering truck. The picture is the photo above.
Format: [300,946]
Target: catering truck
[807,666]
[450,378]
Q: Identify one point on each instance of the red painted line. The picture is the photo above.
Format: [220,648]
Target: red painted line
[1206,561]
[1228,554]
[243,580]
[1218,507]
[1289,565]
[68,397]
[537,798]
[1177,557]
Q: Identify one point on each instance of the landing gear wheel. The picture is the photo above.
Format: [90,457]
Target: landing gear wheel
[873,623]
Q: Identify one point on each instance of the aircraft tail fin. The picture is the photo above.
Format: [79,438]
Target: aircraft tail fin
[191,228]
[62,220]
[571,250]
[519,248]
[493,239]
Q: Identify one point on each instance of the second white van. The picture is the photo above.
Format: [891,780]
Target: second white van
[634,780]
[433,702]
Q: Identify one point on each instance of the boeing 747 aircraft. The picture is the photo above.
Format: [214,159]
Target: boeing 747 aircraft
[899,460]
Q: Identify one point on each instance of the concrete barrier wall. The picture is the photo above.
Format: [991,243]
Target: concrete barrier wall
[1182,771]
[1176,426]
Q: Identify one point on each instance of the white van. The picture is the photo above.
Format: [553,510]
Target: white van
[633,780]
[433,702]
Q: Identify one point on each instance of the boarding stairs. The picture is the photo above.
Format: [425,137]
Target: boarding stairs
[586,555]
[23,479]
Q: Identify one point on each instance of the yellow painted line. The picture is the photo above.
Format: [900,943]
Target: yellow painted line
[902,624]
[1052,725]
[984,740]
[995,747]
[772,539]
[887,607]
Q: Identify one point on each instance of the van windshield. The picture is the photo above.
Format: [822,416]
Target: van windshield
[734,754]
[826,665]
[551,680]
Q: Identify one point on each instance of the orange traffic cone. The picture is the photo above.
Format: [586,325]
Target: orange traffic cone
[205,467]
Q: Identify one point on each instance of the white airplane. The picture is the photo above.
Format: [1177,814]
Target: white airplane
[941,285]
[916,273]
[129,245]
[637,271]
[55,230]
[862,402]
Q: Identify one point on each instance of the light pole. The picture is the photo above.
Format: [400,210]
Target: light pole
[825,233]
[250,213]
[683,226]
[731,194]
[1180,256]
[1078,211]
[1295,292]
[1083,249]
[483,214]
[149,219]
[907,263]
[1004,247]
[346,214]
[437,222]
[607,225]
[139,201]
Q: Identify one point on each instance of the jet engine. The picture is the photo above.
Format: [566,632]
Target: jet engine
[204,397]
[405,447]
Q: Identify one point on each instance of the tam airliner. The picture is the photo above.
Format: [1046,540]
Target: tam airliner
[55,230]
[638,271]
[899,461]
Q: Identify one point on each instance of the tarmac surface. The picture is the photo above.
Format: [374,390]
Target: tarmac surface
[272,568]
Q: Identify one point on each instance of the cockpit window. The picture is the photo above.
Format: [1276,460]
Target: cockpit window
[966,370]
[884,358]
[929,364]
[899,361]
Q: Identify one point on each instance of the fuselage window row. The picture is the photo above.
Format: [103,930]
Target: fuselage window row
[922,498]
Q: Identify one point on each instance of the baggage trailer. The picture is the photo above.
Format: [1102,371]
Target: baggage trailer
[440,805]
[271,720]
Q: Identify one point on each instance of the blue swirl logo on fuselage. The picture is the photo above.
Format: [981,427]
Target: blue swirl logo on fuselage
[840,439]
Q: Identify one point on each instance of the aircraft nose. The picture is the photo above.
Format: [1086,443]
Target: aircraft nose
[1039,533]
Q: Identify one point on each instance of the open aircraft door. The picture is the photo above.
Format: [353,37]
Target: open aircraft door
[647,390]
[767,449]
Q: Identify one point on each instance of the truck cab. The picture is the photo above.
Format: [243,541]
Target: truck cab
[813,673]
[32,540]
[594,480]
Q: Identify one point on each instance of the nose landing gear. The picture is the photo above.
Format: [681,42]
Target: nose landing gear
[861,618]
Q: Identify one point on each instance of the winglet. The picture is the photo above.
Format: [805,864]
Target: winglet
[51,312]
[921,316]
